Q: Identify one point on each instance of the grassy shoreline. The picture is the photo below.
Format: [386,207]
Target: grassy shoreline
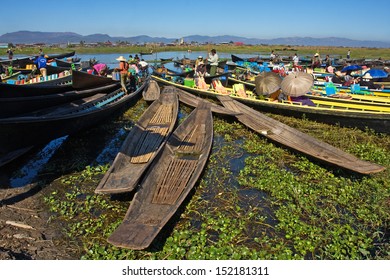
[370,53]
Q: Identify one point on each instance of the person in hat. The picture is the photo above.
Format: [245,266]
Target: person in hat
[200,59]
[316,61]
[123,68]
[213,60]
[366,81]
[200,70]
[10,53]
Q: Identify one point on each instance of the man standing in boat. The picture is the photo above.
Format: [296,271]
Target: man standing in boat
[41,62]
[213,60]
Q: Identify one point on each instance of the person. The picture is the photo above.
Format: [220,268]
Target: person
[10,53]
[316,61]
[296,62]
[367,82]
[349,54]
[200,59]
[328,60]
[213,60]
[100,69]
[136,59]
[302,99]
[41,63]
[200,70]
[131,59]
[337,78]
[272,56]
[162,70]
[123,67]
[143,67]
[41,52]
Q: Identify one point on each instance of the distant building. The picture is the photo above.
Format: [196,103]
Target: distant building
[3,45]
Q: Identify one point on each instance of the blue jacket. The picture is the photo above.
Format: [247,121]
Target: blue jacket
[41,62]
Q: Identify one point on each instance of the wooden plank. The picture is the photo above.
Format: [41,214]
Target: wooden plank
[292,138]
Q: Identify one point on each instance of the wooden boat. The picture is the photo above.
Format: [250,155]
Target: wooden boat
[69,82]
[167,182]
[249,59]
[152,92]
[249,85]
[83,80]
[142,144]
[146,53]
[194,101]
[223,77]
[301,142]
[23,61]
[165,60]
[361,117]
[56,69]
[320,94]
[66,64]
[61,55]
[50,123]
[7,157]
[3,77]
[162,72]
[57,85]
[21,105]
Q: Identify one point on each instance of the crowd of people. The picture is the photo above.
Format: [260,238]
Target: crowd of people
[133,68]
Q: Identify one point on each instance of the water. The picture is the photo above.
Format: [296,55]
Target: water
[30,170]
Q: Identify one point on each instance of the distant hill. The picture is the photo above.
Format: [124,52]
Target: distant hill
[30,37]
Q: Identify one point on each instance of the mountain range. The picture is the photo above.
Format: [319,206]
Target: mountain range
[31,37]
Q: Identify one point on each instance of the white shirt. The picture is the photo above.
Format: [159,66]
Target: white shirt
[213,59]
[296,59]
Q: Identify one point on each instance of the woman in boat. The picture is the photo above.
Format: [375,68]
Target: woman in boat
[100,69]
[123,67]
[316,61]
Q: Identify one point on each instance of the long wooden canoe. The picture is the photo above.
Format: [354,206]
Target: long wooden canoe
[142,144]
[168,181]
[77,80]
[301,142]
[152,92]
[50,123]
[14,106]
[331,112]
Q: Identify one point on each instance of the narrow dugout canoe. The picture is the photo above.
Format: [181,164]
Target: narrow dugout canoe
[142,144]
[168,181]
[301,142]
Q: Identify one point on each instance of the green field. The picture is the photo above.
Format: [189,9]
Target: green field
[372,53]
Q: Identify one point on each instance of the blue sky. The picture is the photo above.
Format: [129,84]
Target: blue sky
[361,20]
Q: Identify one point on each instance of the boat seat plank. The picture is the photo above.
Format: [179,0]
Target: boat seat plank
[333,104]
[173,181]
